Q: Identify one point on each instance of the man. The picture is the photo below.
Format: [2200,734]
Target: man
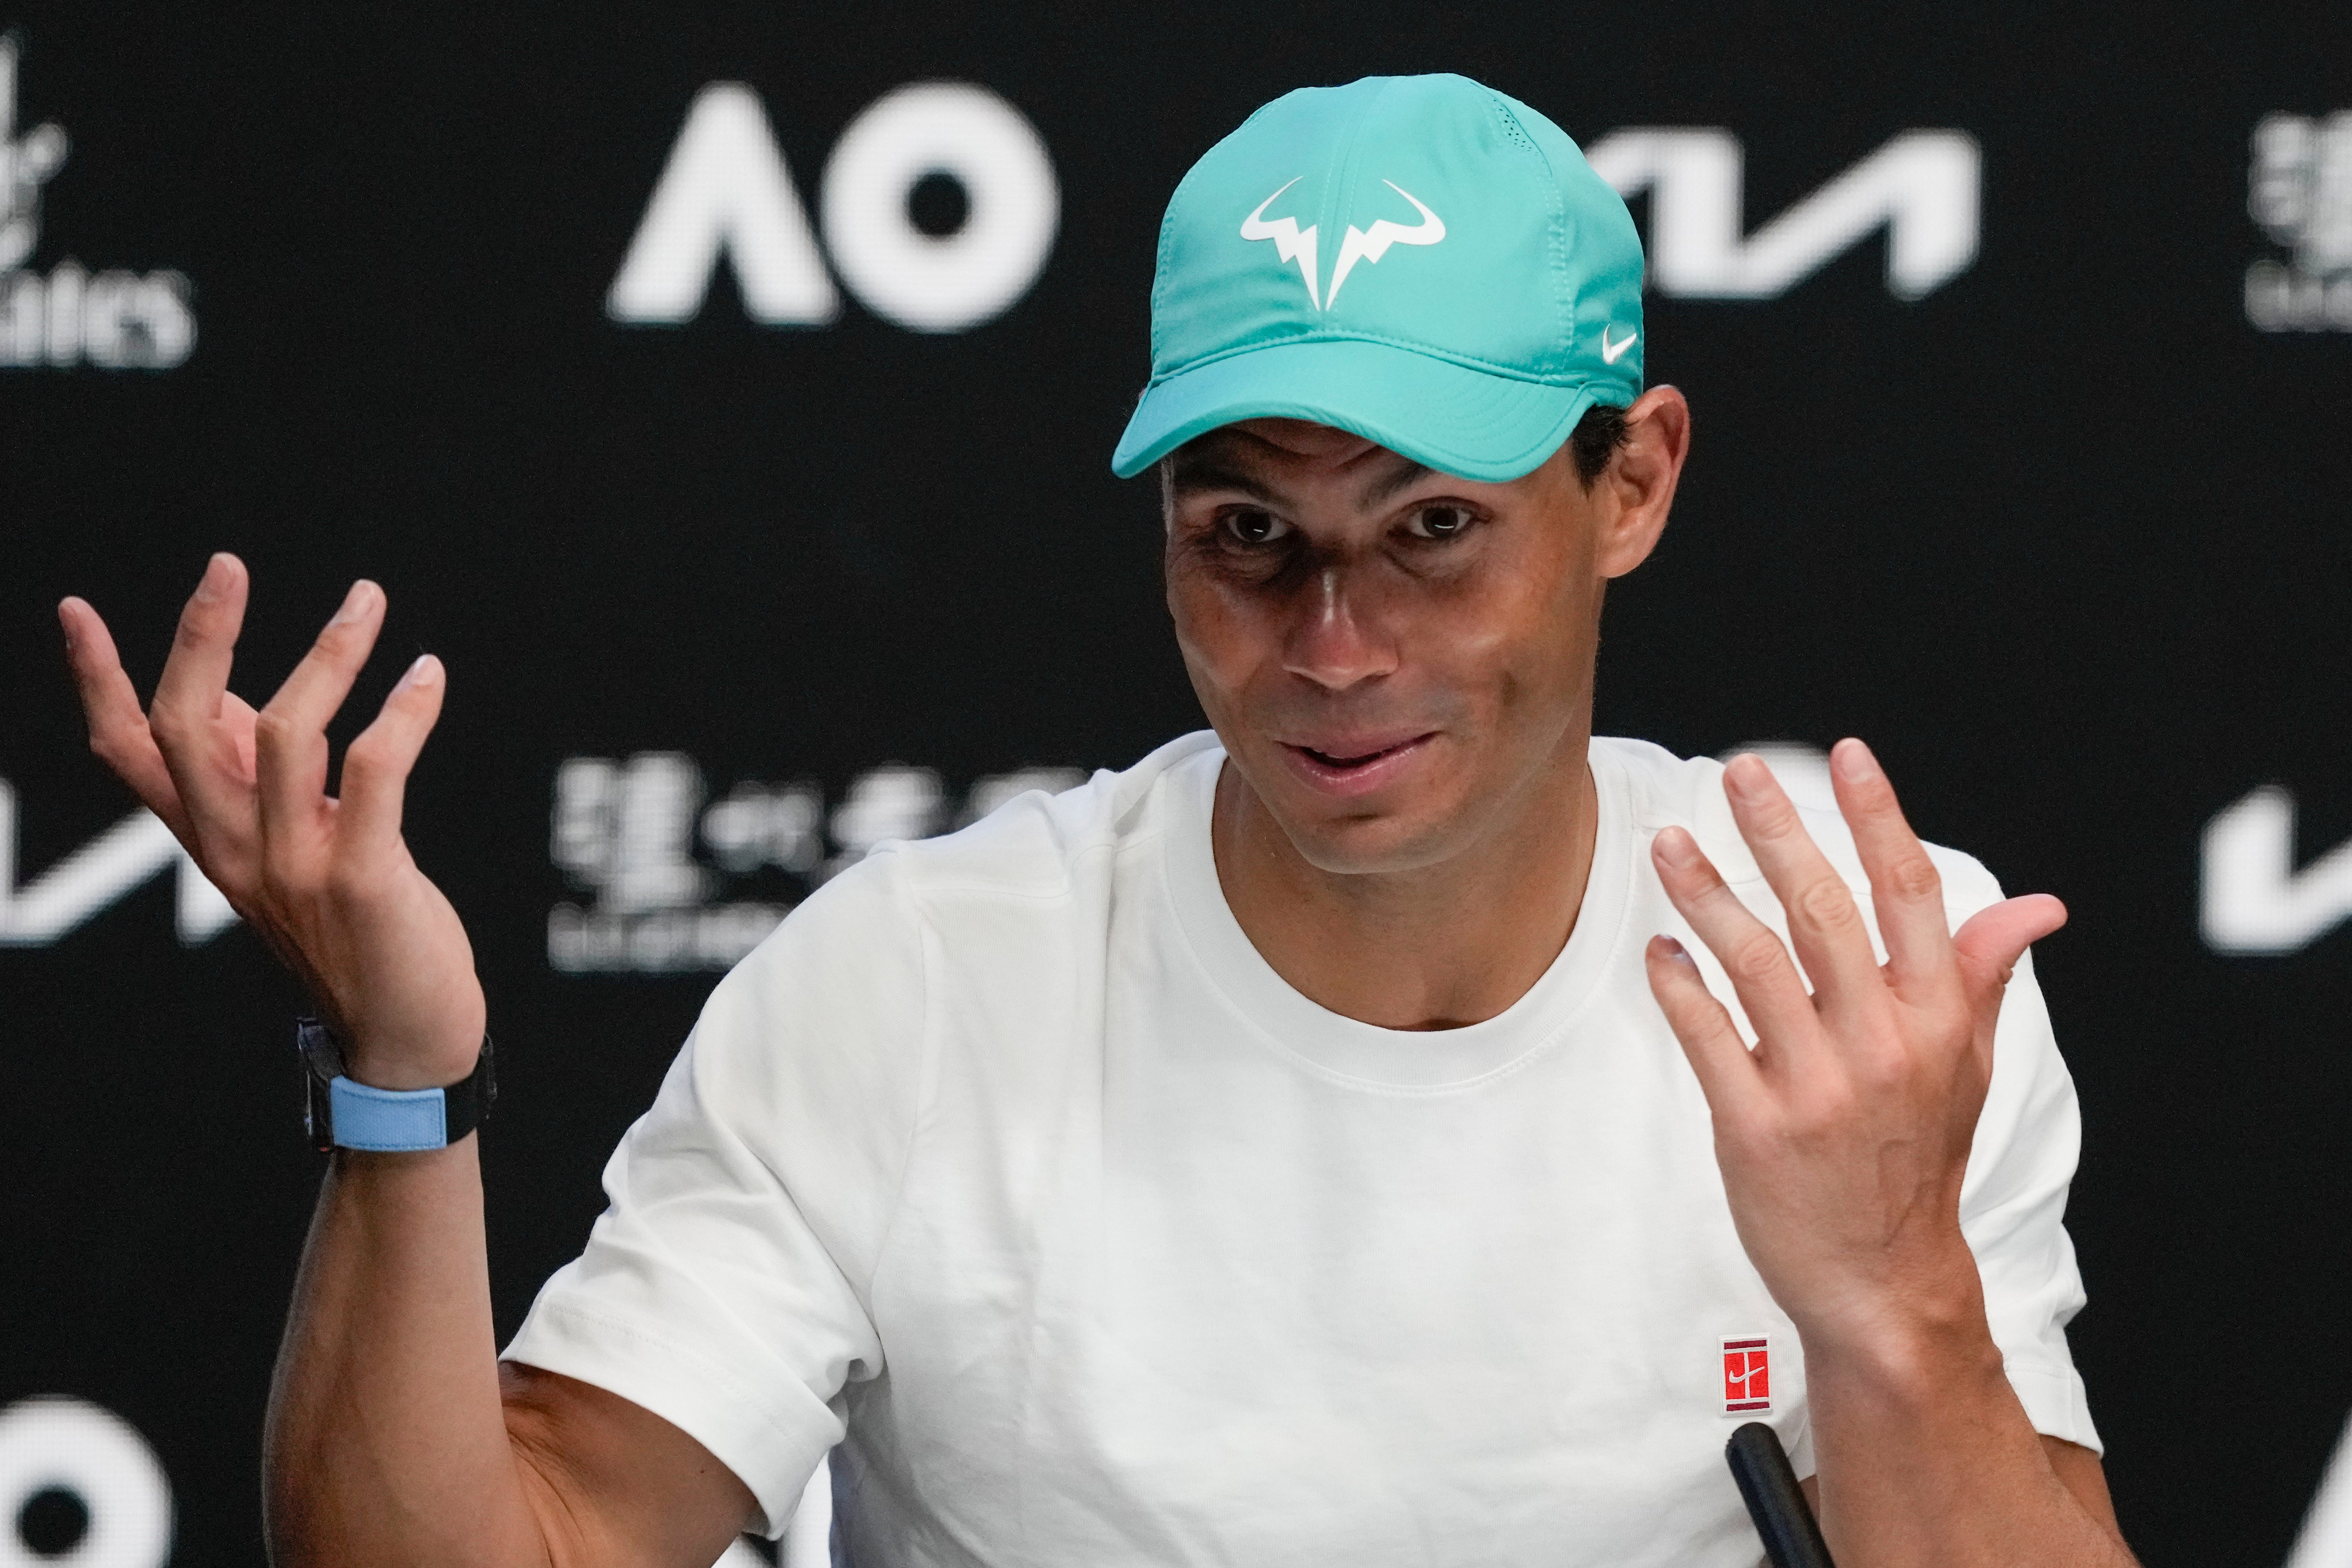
[1278,1152]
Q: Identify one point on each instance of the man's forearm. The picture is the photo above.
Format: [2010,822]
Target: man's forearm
[387,1442]
[1927,1460]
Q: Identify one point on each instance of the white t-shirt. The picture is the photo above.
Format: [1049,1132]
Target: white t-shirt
[1009,1164]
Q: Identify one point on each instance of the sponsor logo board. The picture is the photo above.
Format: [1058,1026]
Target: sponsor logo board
[113,318]
[2299,192]
[677,883]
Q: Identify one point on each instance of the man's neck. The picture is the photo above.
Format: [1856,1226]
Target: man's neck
[1439,947]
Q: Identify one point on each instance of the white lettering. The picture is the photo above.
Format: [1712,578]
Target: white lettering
[724,191]
[946,283]
[26,165]
[2253,899]
[2299,189]
[115,320]
[891,802]
[1922,187]
[626,831]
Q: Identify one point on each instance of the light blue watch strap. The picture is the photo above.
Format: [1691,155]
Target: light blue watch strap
[388,1120]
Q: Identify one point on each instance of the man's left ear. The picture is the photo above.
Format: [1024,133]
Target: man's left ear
[1640,480]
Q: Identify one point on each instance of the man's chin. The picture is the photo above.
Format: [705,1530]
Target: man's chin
[1390,824]
[1369,843]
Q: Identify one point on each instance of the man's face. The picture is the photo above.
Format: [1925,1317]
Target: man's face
[1392,656]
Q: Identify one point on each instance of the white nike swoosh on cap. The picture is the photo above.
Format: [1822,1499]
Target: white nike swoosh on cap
[1612,352]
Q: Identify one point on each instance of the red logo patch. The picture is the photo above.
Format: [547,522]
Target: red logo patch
[1747,1375]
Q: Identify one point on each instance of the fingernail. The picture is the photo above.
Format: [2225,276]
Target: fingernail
[1854,758]
[1673,949]
[214,581]
[1677,849]
[1737,777]
[417,673]
[355,603]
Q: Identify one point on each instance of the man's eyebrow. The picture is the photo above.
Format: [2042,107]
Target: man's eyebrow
[1191,474]
[1406,472]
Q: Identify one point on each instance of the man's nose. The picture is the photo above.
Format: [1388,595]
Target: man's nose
[1335,639]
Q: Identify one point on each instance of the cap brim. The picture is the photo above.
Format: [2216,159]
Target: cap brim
[1454,418]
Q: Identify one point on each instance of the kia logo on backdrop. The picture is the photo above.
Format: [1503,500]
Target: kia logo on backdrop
[2251,897]
[99,876]
[1922,187]
[725,190]
[113,320]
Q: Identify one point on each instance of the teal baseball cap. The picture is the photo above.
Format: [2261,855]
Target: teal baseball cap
[1421,260]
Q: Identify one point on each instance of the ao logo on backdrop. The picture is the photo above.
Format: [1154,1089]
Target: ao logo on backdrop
[726,191]
[80,1488]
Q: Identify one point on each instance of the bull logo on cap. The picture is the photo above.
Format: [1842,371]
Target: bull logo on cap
[1293,243]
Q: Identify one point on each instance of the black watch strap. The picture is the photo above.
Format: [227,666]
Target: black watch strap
[385,1120]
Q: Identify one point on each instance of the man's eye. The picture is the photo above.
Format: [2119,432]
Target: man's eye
[1251,527]
[1441,522]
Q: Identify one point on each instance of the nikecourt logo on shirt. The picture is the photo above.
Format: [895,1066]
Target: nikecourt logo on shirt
[1612,352]
[1747,1375]
[1293,244]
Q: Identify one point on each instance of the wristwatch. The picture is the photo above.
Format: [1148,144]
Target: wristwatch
[342,1113]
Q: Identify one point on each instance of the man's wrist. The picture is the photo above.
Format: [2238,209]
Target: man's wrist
[382,1062]
[400,1071]
[344,1111]
[1906,1344]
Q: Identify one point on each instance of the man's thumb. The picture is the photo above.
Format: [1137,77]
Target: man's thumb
[1992,940]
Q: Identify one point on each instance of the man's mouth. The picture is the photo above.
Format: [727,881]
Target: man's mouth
[1352,767]
[1357,759]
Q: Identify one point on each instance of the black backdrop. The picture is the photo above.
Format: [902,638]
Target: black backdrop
[2065,539]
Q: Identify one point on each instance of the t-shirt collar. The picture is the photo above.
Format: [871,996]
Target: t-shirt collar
[1343,1048]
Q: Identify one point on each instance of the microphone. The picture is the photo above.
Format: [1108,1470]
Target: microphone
[1792,1538]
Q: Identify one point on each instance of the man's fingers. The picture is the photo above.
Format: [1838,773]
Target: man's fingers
[376,768]
[1727,1074]
[1994,940]
[1825,926]
[203,649]
[188,697]
[290,733]
[320,681]
[118,726]
[1768,985]
[1905,887]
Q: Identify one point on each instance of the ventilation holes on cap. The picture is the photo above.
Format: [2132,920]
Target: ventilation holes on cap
[1512,128]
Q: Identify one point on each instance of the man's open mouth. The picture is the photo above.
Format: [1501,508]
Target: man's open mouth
[1352,759]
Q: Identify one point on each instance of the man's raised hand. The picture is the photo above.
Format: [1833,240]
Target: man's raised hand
[327,880]
[1844,1137]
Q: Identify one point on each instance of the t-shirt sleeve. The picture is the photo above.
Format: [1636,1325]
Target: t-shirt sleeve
[725,1287]
[2013,1202]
